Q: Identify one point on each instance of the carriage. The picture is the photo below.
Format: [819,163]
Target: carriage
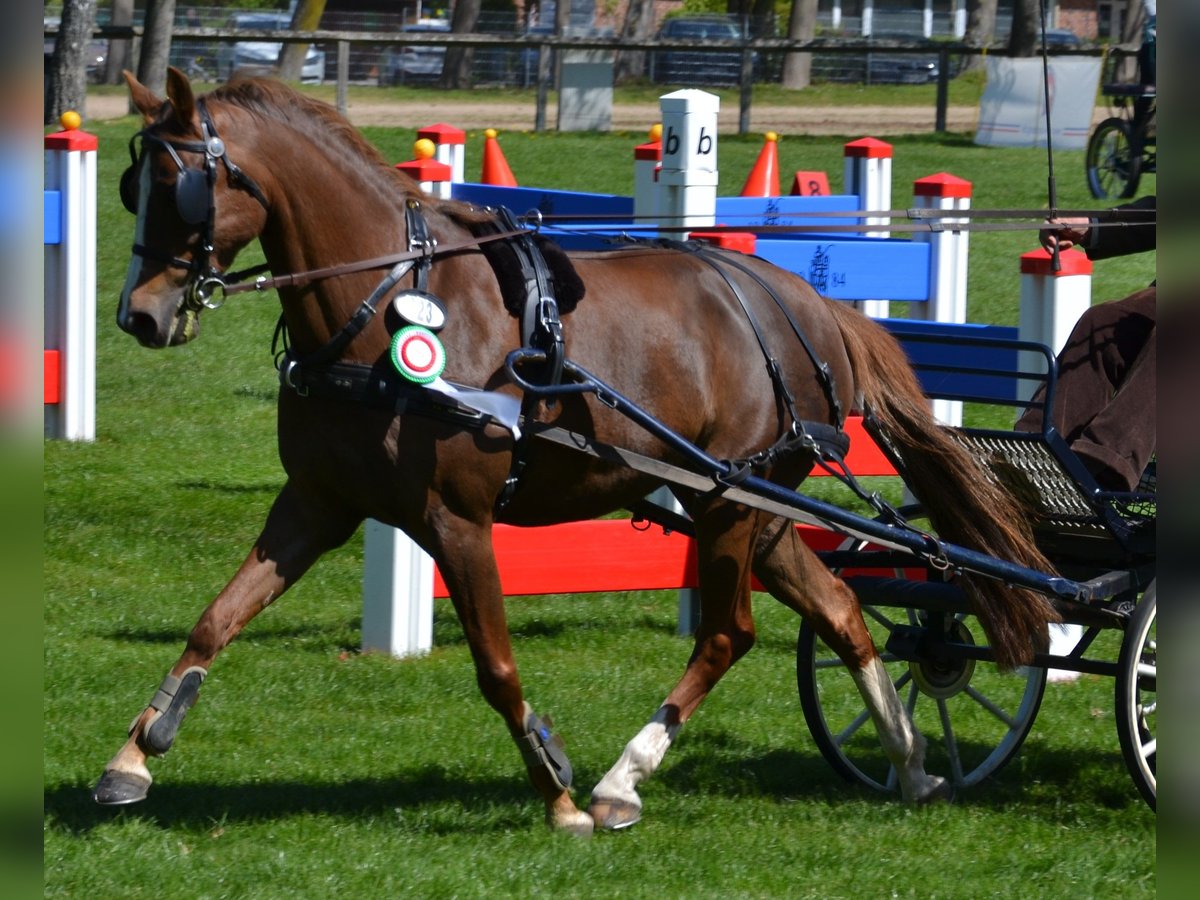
[456,391]
[1124,146]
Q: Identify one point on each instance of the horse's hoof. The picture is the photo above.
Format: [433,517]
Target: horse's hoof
[613,815]
[120,788]
[578,823]
[943,793]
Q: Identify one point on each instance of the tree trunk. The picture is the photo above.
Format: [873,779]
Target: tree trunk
[638,25]
[120,52]
[1025,38]
[456,70]
[306,18]
[981,31]
[66,80]
[156,45]
[802,26]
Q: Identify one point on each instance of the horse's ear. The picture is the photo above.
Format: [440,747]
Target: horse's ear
[179,92]
[144,100]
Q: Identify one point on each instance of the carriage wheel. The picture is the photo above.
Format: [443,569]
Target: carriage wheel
[973,716]
[1114,163]
[1137,697]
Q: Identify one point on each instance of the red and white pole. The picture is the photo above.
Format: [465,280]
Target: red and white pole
[450,144]
[1051,302]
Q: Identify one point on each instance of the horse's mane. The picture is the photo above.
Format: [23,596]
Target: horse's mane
[275,101]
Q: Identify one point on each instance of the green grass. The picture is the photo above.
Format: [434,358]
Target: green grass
[309,769]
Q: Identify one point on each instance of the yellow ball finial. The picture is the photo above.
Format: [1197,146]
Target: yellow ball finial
[424,149]
[656,131]
[70,120]
[490,133]
[771,136]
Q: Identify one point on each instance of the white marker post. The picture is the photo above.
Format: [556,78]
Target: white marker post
[647,161]
[451,145]
[397,592]
[947,264]
[688,178]
[1051,304]
[867,172]
[70,284]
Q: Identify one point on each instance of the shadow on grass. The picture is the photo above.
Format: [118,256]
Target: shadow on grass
[1046,782]
[260,633]
[473,803]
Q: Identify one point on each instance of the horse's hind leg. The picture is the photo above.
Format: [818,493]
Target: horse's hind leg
[725,634]
[793,574]
[295,535]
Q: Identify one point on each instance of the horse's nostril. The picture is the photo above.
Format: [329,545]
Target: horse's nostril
[142,326]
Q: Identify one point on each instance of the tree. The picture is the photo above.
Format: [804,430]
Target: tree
[66,78]
[638,25]
[306,18]
[120,52]
[802,26]
[1025,38]
[456,70]
[981,30]
[156,45]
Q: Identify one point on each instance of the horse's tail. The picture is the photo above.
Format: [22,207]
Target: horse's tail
[964,505]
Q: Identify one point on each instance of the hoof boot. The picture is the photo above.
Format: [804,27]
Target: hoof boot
[120,788]
[613,815]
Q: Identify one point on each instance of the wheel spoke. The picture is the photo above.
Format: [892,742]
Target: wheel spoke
[849,731]
[951,743]
[991,707]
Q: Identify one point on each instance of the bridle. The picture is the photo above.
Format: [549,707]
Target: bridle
[195,201]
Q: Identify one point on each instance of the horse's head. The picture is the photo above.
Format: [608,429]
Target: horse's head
[195,210]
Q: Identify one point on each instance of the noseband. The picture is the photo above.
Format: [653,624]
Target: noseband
[195,201]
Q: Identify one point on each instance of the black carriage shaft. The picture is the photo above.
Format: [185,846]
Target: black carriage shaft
[725,475]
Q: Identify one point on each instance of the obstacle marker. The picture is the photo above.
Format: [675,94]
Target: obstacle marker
[451,145]
[495,166]
[688,180]
[647,162]
[69,360]
[807,183]
[432,176]
[763,180]
[868,173]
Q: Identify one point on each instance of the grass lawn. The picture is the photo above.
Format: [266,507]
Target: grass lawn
[309,769]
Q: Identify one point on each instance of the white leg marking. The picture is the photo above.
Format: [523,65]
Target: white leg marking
[641,757]
[902,743]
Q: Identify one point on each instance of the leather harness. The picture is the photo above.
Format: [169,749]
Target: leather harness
[321,374]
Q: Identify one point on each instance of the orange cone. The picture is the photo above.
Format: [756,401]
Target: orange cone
[764,177]
[495,166]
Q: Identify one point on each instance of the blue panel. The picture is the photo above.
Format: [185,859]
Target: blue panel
[854,268]
[520,200]
[52,216]
[951,351]
[735,211]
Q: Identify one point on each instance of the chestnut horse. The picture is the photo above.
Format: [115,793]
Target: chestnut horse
[731,357]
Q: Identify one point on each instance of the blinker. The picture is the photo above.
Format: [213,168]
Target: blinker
[192,186]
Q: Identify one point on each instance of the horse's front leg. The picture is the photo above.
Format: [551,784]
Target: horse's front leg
[295,535]
[468,565]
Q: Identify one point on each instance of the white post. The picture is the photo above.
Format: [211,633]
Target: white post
[868,173]
[960,19]
[397,592]
[835,16]
[451,145]
[927,19]
[70,281]
[688,179]
[947,264]
[868,17]
[1051,304]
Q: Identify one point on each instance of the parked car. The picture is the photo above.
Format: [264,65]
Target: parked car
[414,63]
[260,57]
[697,66]
[881,66]
[1062,39]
